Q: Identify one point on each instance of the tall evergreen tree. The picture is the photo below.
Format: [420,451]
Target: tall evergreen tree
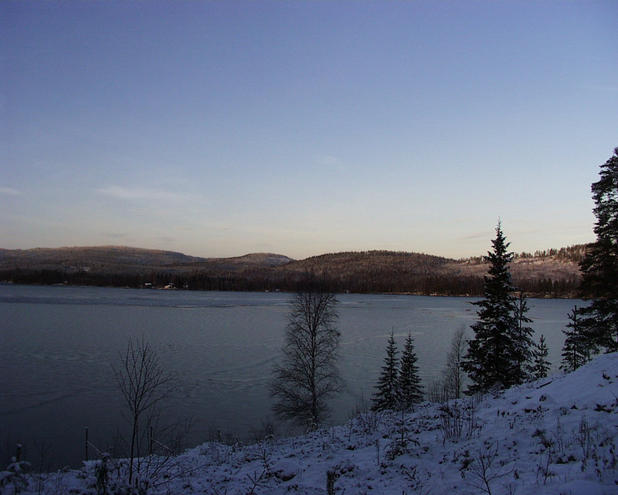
[523,343]
[409,385]
[576,350]
[541,365]
[386,396]
[600,265]
[493,356]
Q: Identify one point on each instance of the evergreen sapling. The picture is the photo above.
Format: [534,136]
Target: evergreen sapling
[387,396]
[576,349]
[523,343]
[410,388]
[541,365]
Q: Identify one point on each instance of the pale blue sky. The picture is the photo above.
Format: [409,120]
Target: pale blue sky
[223,128]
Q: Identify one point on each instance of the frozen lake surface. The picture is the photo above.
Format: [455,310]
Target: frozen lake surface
[58,346]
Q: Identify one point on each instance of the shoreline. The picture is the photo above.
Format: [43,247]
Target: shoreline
[529,295]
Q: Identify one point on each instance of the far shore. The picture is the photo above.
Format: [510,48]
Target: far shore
[283,291]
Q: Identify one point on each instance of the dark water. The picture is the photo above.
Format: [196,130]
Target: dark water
[58,346]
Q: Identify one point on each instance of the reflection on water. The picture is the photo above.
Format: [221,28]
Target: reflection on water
[58,346]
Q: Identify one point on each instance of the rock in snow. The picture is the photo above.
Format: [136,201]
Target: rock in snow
[553,436]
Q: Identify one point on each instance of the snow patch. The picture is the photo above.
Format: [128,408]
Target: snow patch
[553,436]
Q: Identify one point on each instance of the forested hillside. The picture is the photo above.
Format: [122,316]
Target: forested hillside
[550,273]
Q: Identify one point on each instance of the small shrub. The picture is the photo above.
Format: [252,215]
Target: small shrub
[584,438]
[457,421]
[14,476]
[483,470]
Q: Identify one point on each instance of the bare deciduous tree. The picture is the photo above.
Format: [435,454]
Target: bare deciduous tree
[143,383]
[307,375]
[450,385]
[453,373]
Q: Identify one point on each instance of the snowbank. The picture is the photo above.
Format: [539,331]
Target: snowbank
[552,436]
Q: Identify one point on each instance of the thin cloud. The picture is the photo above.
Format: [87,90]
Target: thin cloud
[165,238]
[602,87]
[328,160]
[9,191]
[475,236]
[139,193]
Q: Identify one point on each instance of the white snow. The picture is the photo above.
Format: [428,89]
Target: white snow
[553,436]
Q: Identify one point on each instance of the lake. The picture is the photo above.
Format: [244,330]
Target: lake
[58,346]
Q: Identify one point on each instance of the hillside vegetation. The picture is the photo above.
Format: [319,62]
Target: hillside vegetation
[553,273]
[553,436]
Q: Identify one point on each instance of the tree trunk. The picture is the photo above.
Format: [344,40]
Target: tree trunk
[133,436]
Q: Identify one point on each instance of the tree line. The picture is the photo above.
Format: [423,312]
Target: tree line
[383,281]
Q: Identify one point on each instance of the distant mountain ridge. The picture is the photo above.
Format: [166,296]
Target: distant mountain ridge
[123,258]
[554,272]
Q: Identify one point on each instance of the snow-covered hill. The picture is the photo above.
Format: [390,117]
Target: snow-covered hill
[554,436]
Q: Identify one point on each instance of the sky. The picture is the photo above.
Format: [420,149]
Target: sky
[304,127]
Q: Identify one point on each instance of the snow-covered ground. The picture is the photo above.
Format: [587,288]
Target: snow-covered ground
[554,436]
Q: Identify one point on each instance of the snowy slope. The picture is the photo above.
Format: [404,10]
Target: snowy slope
[553,436]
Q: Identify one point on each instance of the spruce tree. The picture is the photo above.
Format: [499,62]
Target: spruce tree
[410,388]
[600,265]
[386,396]
[576,350]
[523,343]
[541,365]
[494,354]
